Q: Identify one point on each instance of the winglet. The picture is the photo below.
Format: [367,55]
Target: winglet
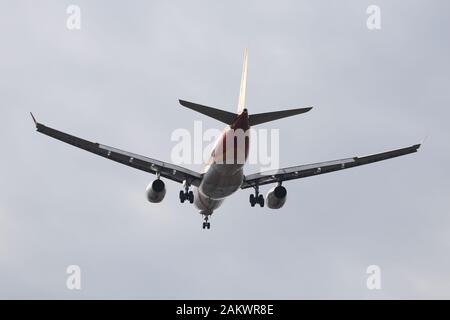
[34,119]
[424,139]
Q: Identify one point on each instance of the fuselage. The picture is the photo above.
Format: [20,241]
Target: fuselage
[223,173]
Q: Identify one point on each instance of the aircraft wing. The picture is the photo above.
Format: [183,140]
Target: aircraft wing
[167,170]
[314,169]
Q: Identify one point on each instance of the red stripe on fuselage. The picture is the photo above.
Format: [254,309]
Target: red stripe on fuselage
[238,127]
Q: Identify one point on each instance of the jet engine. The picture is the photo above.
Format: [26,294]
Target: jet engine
[156,191]
[276,197]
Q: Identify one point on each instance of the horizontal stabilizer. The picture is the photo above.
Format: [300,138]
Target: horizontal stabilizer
[259,118]
[221,115]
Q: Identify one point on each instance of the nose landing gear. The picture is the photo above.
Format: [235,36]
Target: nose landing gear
[257,198]
[186,194]
[206,224]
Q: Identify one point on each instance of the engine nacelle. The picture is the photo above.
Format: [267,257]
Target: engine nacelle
[276,197]
[156,191]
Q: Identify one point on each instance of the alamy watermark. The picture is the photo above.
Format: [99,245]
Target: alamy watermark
[254,146]
[374,19]
[74,19]
[73,281]
[373,281]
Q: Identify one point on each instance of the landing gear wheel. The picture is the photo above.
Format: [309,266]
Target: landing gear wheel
[186,194]
[206,224]
[252,200]
[182,196]
[256,198]
[261,200]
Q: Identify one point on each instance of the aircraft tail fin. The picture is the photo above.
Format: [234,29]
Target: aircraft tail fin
[259,118]
[241,104]
[221,115]
[230,117]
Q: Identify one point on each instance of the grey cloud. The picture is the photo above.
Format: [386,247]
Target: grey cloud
[117,81]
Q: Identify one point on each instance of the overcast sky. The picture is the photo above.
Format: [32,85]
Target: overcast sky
[117,81]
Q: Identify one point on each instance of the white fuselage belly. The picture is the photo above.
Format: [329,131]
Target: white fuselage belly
[223,175]
[219,181]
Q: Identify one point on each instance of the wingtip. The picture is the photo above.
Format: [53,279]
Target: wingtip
[423,140]
[304,110]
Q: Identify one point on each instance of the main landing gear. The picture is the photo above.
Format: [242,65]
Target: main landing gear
[257,198]
[206,224]
[186,194]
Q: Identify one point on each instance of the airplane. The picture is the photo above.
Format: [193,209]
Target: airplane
[220,179]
